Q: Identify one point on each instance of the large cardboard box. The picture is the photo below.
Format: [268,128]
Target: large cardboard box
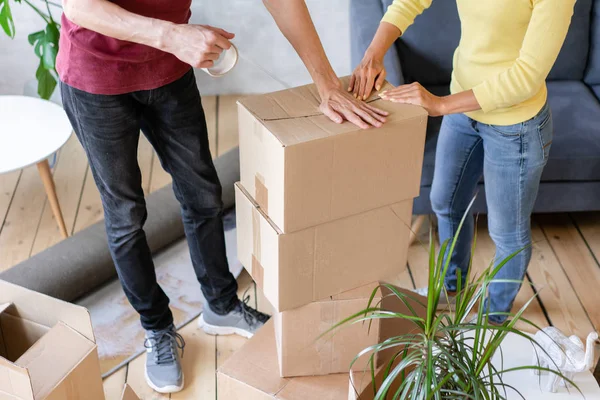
[304,170]
[47,348]
[252,373]
[294,269]
[296,332]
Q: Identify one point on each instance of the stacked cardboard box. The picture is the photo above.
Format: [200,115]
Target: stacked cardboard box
[323,215]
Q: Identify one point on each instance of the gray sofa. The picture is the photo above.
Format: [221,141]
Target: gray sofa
[571,180]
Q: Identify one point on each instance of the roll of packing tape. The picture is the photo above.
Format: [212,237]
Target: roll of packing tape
[224,64]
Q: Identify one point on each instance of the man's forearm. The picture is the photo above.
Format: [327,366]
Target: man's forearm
[293,19]
[111,20]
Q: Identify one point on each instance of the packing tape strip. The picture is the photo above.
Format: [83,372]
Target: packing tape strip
[261,194]
[225,63]
[258,271]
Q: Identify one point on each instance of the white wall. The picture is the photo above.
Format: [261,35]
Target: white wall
[257,38]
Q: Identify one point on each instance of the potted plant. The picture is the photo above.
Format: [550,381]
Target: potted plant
[449,353]
[44,42]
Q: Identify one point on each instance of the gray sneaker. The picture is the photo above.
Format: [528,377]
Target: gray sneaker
[163,365]
[243,320]
[447,299]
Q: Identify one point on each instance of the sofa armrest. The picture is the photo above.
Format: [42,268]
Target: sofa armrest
[365,16]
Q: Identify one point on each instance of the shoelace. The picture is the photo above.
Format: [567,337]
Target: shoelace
[251,316]
[163,345]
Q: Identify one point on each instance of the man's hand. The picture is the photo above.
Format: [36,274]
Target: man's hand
[369,73]
[339,105]
[197,45]
[417,95]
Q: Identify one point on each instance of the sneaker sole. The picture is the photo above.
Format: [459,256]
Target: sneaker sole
[165,389]
[222,330]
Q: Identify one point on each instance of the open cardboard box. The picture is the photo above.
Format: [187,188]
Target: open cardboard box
[294,269]
[297,330]
[252,374]
[305,170]
[47,348]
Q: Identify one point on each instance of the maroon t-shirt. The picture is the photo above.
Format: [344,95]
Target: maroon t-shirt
[99,64]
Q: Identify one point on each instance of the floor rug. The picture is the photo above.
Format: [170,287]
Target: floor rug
[119,335]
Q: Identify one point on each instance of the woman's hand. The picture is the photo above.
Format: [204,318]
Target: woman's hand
[417,95]
[369,73]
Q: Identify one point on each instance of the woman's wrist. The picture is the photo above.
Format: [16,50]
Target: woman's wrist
[374,53]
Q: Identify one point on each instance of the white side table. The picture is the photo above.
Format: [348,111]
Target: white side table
[31,130]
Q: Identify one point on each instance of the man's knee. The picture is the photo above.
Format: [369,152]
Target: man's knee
[125,223]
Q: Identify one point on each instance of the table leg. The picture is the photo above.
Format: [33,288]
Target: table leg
[46,175]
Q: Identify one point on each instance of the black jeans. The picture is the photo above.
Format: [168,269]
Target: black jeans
[172,119]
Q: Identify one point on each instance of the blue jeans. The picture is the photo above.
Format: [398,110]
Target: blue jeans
[173,120]
[511,160]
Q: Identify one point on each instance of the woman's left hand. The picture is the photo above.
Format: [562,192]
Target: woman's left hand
[417,95]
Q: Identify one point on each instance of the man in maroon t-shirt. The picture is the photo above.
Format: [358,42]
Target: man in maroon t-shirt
[125,65]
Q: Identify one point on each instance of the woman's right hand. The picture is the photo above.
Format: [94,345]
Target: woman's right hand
[370,73]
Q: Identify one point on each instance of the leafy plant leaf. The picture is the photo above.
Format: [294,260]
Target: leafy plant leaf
[51,45]
[46,81]
[6,19]
[36,39]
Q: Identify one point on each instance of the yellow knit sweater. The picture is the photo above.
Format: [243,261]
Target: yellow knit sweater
[506,51]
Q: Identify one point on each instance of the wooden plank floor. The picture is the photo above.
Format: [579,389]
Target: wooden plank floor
[564,273]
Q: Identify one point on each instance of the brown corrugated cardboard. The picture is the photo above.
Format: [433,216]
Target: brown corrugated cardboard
[297,330]
[252,373]
[47,348]
[294,269]
[129,394]
[305,170]
[361,385]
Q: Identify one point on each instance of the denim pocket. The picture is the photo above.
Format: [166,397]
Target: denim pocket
[508,130]
[546,132]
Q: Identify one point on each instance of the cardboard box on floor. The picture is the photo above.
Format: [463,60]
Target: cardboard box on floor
[305,170]
[294,269]
[252,373]
[47,348]
[296,331]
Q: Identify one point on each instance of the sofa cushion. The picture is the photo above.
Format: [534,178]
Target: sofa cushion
[596,90]
[572,60]
[592,75]
[427,48]
[575,154]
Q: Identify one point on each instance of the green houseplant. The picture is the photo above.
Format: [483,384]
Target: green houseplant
[44,42]
[449,353]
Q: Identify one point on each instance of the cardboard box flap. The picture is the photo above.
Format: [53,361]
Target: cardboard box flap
[129,394]
[52,357]
[4,307]
[14,381]
[45,310]
[293,115]
[256,363]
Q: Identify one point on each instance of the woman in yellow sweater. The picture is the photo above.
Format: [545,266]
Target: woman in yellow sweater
[497,123]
